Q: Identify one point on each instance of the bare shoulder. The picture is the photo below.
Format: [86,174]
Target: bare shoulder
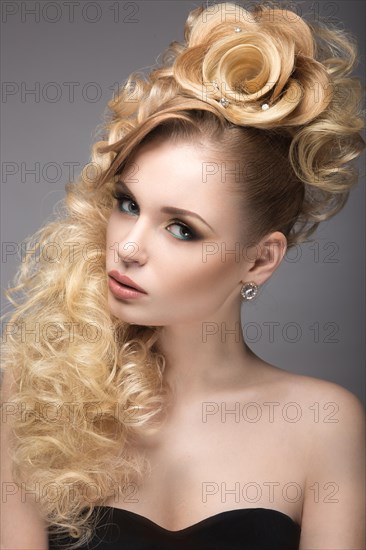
[347,407]
[322,410]
[307,390]
[334,506]
[338,414]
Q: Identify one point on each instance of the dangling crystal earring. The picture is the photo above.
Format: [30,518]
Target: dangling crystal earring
[249,291]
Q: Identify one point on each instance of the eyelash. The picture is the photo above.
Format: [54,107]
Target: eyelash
[121,197]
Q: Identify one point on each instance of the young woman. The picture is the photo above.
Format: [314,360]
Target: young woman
[139,418]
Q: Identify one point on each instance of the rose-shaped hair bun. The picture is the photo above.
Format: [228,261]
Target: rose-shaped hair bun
[242,63]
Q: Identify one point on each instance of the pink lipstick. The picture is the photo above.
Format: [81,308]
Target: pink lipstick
[124,287]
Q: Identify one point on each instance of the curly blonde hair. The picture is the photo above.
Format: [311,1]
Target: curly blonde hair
[264,89]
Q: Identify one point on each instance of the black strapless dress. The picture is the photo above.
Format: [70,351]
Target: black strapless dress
[242,529]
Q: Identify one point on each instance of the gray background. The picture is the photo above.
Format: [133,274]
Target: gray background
[310,317]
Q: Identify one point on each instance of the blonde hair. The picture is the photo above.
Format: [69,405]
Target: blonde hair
[88,383]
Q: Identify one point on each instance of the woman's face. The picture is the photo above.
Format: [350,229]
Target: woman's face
[191,270]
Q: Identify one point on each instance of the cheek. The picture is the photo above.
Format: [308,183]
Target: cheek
[193,291]
[113,237]
[193,276]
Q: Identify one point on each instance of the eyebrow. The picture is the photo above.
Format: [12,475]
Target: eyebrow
[166,209]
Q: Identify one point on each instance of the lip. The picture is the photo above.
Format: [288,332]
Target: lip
[124,280]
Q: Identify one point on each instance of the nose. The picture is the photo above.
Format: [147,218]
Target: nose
[130,248]
[129,252]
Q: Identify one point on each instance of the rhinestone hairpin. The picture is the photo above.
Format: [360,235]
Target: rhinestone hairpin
[265,107]
[237,29]
[224,102]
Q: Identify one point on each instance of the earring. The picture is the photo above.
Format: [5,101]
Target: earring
[249,291]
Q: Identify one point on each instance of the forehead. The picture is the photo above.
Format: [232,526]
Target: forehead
[180,166]
[187,176]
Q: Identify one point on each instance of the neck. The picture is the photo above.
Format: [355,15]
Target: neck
[204,357]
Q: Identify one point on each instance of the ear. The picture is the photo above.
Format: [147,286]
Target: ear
[265,257]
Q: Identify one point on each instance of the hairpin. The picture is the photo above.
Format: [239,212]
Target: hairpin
[265,106]
[237,29]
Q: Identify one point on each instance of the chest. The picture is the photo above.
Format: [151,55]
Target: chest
[218,457]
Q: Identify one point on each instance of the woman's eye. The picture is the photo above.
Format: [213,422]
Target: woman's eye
[184,233]
[121,199]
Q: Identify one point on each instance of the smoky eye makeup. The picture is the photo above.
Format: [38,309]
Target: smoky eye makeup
[185,232]
[121,185]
